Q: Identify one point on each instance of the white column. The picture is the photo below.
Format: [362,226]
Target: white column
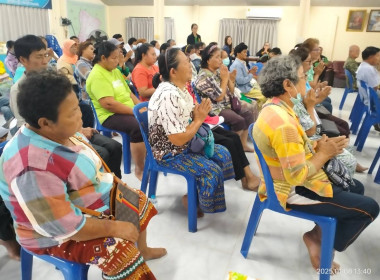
[159,21]
[304,18]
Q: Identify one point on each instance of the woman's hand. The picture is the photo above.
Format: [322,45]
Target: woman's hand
[201,110]
[253,70]
[233,76]
[224,74]
[331,146]
[310,99]
[323,93]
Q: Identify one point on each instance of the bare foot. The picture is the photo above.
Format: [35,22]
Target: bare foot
[248,149]
[360,169]
[200,214]
[13,248]
[153,253]
[250,184]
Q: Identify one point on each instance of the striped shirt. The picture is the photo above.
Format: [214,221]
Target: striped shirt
[41,181]
[285,147]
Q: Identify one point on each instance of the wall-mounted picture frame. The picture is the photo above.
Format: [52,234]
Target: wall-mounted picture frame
[374,21]
[356,20]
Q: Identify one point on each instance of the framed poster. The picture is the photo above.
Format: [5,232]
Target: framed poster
[374,21]
[356,20]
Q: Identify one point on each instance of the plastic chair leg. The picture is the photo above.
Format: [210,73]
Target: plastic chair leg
[152,183]
[126,154]
[254,220]
[26,265]
[377,177]
[327,246]
[192,199]
[146,174]
[343,99]
[375,160]
[366,127]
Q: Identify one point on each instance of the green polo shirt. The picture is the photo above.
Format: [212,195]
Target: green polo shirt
[103,83]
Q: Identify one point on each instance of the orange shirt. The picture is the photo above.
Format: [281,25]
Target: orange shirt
[142,77]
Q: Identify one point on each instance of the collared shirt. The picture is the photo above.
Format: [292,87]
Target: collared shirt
[169,112]
[286,149]
[243,78]
[41,181]
[13,101]
[368,74]
[208,85]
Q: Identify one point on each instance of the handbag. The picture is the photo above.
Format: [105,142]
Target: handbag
[235,103]
[329,128]
[124,201]
[338,174]
[203,142]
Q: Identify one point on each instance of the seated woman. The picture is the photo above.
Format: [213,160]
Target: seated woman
[228,47]
[245,79]
[83,67]
[59,173]
[296,163]
[66,63]
[216,83]
[145,69]
[114,101]
[264,50]
[304,108]
[174,121]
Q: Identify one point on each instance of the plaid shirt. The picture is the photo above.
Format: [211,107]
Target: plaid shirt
[285,147]
[41,181]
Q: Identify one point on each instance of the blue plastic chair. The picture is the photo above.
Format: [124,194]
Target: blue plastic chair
[375,160]
[372,116]
[126,141]
[327,224]
[349,88]
[356,114]
[70,270]
[152,167]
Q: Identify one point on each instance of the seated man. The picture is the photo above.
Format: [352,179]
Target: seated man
[32,53]
[351,64]
[245,76]
[368,73]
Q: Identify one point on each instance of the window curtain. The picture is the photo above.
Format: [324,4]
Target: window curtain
[17,21]
[169,29]
[253,32]
[140,27]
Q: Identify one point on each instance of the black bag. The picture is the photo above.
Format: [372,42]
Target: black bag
[329,128]
[235,104]
[338,174]
[203,142]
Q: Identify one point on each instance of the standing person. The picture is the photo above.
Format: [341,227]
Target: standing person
[114,101]
[296,163]
[145,69]
[56,176]
[11,61]
[194,37]
[351,64]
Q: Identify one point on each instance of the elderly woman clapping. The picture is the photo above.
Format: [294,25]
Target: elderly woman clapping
[295,162]
[47,173]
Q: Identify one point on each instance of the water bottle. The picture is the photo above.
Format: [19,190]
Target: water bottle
[153,200]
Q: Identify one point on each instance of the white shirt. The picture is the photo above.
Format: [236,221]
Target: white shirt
[128,48]
[368,74]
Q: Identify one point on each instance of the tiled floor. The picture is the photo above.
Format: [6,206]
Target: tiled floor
[277,251]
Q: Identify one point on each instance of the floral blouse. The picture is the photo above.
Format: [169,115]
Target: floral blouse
[208,85]
[169,112]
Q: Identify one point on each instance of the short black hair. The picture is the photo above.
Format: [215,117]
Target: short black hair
[73,37]
[142,49]
[104,48]
[187,49]
[40,95]
[169,41]
[117,36]
[208,53]
[300,52]
[24,46]
[369,51]
[163,47]
[276,51]
[131,40]
[10,44]
[239,48]
[153,43]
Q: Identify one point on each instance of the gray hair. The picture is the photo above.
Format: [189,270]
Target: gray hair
[276,71]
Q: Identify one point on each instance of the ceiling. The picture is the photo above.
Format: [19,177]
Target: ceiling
[332,3]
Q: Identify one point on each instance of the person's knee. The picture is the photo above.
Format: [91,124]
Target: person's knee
[103,152]
[358,187]
[373,208]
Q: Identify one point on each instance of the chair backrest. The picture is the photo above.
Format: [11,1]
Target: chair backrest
[374,103]
[98,125]
[142,119]
[2,145]
[199,99]
[259,66]
[349,79]
[271,195]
